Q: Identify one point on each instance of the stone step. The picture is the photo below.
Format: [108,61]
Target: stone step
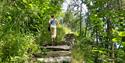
[55,43]
[53,54]
[58,47]
[58,53]
[61,59]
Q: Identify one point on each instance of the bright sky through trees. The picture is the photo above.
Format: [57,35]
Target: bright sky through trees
[67,2]
[65,5]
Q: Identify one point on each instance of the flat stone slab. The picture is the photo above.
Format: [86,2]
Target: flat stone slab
[53,54]
[58,47]
[58,53]
[60,59]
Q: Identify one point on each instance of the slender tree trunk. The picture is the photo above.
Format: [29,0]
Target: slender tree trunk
[119,4]
[80,18]
[111,44]
[113,53]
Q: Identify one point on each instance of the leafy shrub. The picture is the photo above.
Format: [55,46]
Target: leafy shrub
[17,48]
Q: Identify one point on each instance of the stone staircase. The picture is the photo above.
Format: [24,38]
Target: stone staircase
[60,53]
[57,54]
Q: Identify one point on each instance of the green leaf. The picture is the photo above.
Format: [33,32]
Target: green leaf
[122,18]
[24,1]
[115,39]
[123,43]
[122,34]
[31,6]
[9,17]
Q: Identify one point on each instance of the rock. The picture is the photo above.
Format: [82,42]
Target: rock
[69,39]
[60,59]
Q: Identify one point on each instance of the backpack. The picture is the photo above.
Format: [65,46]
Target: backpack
[49,28]
[53,22]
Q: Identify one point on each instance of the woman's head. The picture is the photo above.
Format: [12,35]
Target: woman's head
[52,16]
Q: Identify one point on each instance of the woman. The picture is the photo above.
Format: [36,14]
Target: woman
[53,27]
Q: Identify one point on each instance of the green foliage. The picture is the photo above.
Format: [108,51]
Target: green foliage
[120,56]
[60,33]
[29,16]
[82,46]
[105,28]
[17,47]
[106,24]
[24,26]
[71,21]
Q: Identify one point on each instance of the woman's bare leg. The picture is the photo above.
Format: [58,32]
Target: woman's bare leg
[53,35]
[52,32]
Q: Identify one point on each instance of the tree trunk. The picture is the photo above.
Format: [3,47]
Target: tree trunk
[80,18]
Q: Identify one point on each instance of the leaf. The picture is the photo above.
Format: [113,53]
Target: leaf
[115,39]
[123,43]
[122,18]
[24,1]
[122,34]
[31,6]
[95,15]
[9,17]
